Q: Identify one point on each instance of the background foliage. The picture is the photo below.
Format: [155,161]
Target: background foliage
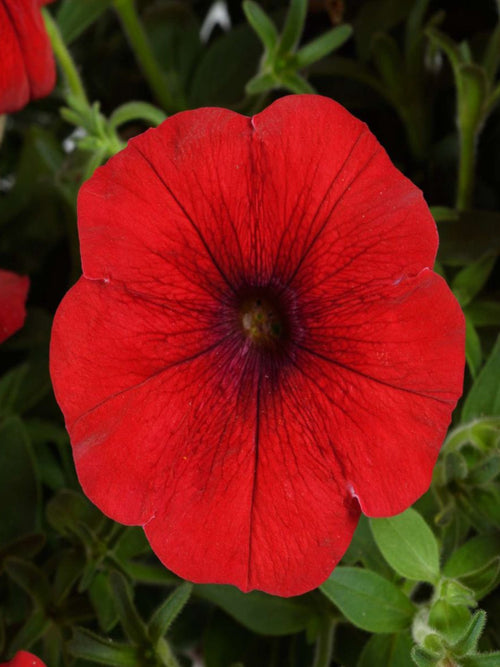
[419,588]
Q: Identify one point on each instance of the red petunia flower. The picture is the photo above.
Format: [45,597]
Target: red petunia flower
[258,346]
[27,68]
[13,292]
[23,659]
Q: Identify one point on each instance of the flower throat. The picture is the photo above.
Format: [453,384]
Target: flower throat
[262,320]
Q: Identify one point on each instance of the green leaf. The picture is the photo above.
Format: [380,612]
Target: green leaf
[408,545]
[19,487]
[368,600]
[444,214]
[68,510]
[451,621]
[296,84]
[89,646]
[131,543]
[389,62]
[294,25]
[414,24]
[33,629]
[483,581]
[377,16]
[472,556]
[486,471]
[166,614]
[102,600]
[446,44]
[261,83]
[70,565]
[387,650]
[75,16]
[423,658]
[224,68]
[31,579]
[363,549]
[469,281]
[262,24]
[484,313]
[322,46]
[491,58]
[26,546]
[174,32]
[473,90]
[473,349]
[145,573]
[131,622]
[484,396]
[468,643]
[261,613]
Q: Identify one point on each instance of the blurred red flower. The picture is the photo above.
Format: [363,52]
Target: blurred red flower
[258,346]
[23,659]
[27,68]
[13,292]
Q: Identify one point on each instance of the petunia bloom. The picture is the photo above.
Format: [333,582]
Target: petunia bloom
[23,659]
[27,68]
[258,348]
[13,292]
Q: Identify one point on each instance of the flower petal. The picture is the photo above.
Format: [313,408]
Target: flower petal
[180,222]
[395,372]
[13,292]
[332,198]
[28,68]
[14,83]
[214,439]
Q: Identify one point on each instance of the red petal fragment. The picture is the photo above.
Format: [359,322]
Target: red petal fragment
[23,659]
[13,293]
[28,68]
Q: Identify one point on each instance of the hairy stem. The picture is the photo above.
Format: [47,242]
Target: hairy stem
[64,58]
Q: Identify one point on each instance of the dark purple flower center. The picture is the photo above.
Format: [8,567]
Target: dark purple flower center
[264,319]
[261,321]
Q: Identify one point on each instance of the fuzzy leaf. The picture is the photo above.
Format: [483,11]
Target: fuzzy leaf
[166,614]
[131,621]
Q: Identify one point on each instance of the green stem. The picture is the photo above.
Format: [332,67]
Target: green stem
[165,654]
[466,167]
[139,42]
[64,59]
[324,644]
